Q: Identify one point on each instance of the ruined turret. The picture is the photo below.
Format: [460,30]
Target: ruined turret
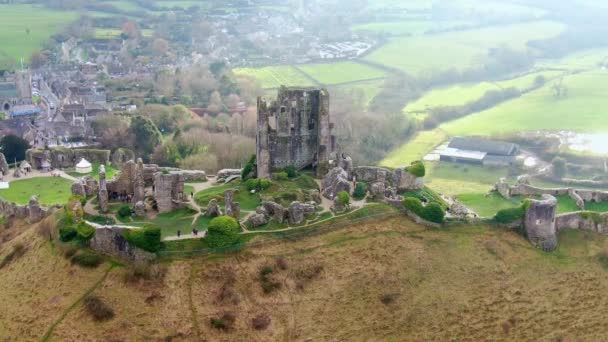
[539,222]
[103,190]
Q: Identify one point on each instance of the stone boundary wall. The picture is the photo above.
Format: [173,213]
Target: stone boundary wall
[580,196]
[584,221]
[109,240]
[33,211]
[61,158]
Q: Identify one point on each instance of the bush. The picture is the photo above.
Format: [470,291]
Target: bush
[223,231]
[147,238]
[257,184]
[260,322]
[434,212]
[98,309]
[280,176]
[268,284]
[343,198]
[87,259]
[360,191]
[417,169]
[414,205]
[248,169]
[510,215]
[226,322]
[124,211]
[67,234]
[145,271]
[291,171]
[84,231]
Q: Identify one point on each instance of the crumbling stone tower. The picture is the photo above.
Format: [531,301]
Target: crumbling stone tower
[294,129]
[539,222]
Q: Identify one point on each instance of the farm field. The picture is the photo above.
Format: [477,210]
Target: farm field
[455,179]
[364,91]
[16,19]
[458,50]
[115,33]
[50,190]
[409,27]
[583,60]
[580,111]
[276,76]
[341,72]
[415,149]
[462,94]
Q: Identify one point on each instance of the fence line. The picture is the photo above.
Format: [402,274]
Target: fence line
[290,235]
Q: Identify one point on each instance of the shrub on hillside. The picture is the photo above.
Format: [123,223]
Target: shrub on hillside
[417,169]
[145,271]
[360,191]
[510,215]
[291,171]
[343,198]
[87,259]
[257,184]
[260,322]
[280,176]
[84,231]
[67,234]
[223,231]
[124,211]
[98,309]
[225,322]
[433,211]
[147,238]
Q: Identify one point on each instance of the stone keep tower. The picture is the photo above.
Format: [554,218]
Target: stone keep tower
[294,129]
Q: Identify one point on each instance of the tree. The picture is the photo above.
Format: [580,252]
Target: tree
[223,231]
[560,167]
[160,46]
[343,198]
[131,30]
[14,147]
[145,135]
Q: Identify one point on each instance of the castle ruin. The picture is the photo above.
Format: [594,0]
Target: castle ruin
[294,129]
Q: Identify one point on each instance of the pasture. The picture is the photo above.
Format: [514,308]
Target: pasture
[341,72]
[408,27]
[581,110]
[276,76]
[24,28]
[415,149]
[458,50]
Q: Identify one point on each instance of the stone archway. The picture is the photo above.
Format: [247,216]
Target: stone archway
[6,107]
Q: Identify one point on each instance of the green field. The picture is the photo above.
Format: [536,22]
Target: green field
[580,111]
[17,19]
[50,190]
[419,146]
[360,91]
[456,179]
[409,27]
[276,76]
[487,205]
[341,72]
[462,94]
[459,50]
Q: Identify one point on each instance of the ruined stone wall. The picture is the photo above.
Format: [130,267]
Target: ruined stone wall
[110,240]
[33,211]
[168,192]
[583,220]
[61,158]
[294,130]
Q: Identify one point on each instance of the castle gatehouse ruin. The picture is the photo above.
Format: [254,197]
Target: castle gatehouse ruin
[294,129]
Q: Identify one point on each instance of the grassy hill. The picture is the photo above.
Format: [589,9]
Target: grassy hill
[390,280]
